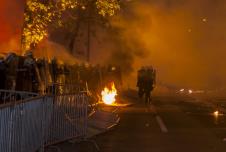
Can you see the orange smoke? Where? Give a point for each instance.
(11, 21)
(184, 40)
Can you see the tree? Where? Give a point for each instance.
(39, 15)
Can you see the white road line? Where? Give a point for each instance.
(161, 124)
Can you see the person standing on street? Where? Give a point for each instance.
(146, 82)
(149, 82)
(141, 82)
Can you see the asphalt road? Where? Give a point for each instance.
(169, 124)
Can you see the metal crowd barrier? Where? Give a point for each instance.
(60, 88)
(30, 125)
(69, 118)
(23, 124)
(8, 96)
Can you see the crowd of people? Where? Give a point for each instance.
(26, 73)
(146, 79)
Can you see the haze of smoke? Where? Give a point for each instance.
(11, 18)
(11, 22)
(184, 40)
(50, 50)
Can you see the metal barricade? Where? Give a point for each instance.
(69, 118)
(30, 125)
(22, 125)
(60, 89)
(9, 96)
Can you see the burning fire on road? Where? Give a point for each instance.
(109, 94)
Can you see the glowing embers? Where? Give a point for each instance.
(218, 119)
(109, 94)
(217, 113)
(182, 90)
(190, 91)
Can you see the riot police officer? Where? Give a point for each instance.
(141, 81)
(149, 81)
(2, 73)
(145, 83)
(11, 62)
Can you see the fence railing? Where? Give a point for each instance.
(30, 125)
(9, 96)
(60, 88)
(69, 118)
(22, 125)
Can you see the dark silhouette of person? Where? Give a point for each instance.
(145, 83)
(141, 82)
(149, 84)
(2, 74)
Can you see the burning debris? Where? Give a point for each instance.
(216, 113)
(109, 94)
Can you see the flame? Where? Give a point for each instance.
(216, 113)
(109, 94)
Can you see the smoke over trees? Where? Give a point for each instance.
(184, 40)
(11, 18)
(40, 15)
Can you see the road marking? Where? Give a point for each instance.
(158, 119)
(161, 124)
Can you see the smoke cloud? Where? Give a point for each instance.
(11, 21)
(184, 40)
(50, 50)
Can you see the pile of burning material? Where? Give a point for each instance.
(109, 94)
(109, 97)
